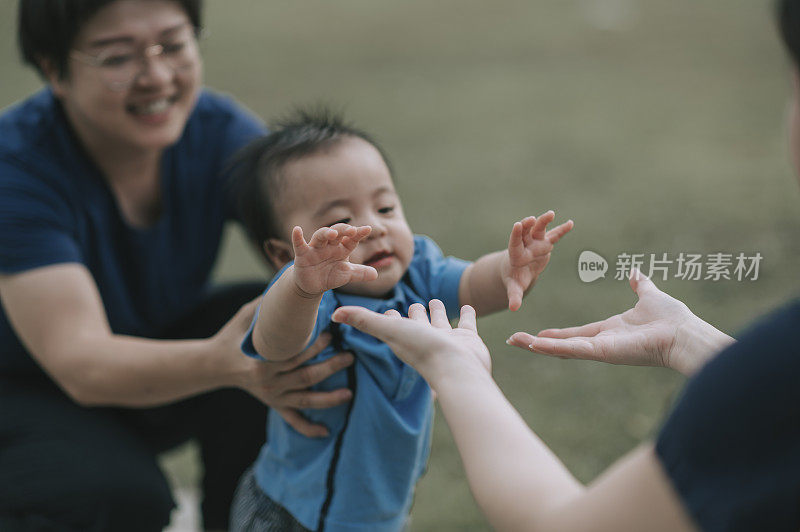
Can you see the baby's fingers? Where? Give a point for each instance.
(322, 237)
(515, 293)
(524, 227)
(538, 230)
(361, 232)
(298, 242)
(343, 229)
(555, 234)
(357, 235)
(359, 272)
(515, 239)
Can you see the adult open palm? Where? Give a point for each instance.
(430, 345)
(657, 331)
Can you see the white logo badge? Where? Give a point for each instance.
(591, 266)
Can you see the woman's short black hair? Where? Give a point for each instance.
(47, 28)
(788, 12)
(256, 169)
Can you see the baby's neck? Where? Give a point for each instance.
(388, 295)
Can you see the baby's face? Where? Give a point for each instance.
(350, 183)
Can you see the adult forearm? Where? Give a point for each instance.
(116, 370)
(58, 314)
(513, 475)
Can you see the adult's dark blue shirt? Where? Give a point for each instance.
(56, 207)
(732, 445)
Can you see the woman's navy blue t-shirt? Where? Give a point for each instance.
(732, 445)
(55, 207)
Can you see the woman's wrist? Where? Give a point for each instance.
(451, 386)
(696, 343)
(447, 373)
(225, 369)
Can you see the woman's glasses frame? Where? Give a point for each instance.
(120, 70)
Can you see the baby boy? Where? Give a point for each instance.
(319, 198)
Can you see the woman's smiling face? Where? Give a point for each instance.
(150, 110)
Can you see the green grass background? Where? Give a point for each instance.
(657, 126)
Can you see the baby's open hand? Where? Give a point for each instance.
(323, 263)
(529, 250)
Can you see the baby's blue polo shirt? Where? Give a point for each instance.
(56, 207)
(361, 476)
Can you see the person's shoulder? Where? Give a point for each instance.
(36, 152)
(784, 319)
(211, 102)
(428, 257)
(424, 246)
(730, 444)
(217, 128)
(220, 109)
(432, 275)
(425, 251)
(26, 127)
(774, 335)
(762, 363)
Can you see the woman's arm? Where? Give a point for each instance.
(521, 485)
(658, 331)
(518, 482)
(57, 313)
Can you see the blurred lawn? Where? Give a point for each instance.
(657, 126)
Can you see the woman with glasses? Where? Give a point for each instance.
(727, 458)
(113, 347)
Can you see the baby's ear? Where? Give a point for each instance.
(278, 252)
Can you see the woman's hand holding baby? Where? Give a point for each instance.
(529, 248)
(323, 263)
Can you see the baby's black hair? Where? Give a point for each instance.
(256, 168)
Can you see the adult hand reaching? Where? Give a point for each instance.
(283, 385)
(432, 347)
(658, 331)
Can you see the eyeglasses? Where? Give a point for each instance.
(121, 66)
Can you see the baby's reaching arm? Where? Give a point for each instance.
(502, 278)
(289, 308)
